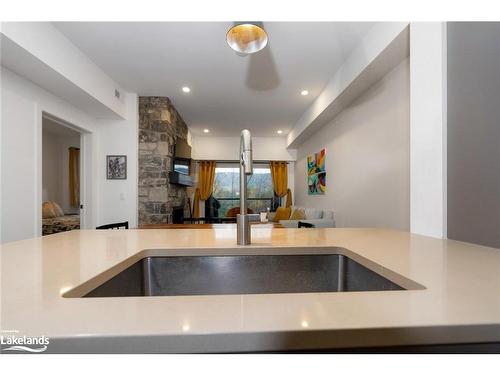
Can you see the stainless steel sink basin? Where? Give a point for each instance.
(242, 274)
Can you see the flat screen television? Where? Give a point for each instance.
(181, 166)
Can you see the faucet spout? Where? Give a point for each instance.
(246, 168)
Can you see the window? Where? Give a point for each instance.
(227, 187)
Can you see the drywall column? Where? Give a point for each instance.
(474, 132)
(428, 129)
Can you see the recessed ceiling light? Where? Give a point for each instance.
(206, 131)
(280, 132)
(186, 89)
(304, 92)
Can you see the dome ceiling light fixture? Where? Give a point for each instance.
(246, 38)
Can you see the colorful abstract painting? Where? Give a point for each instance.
(316, 173)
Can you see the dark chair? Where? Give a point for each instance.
(212, 206)
(305, 225)
(123, 225)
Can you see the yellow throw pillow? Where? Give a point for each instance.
(298, 214)
(48, 210)
(58, 210)
(51, 210)
(282, 213)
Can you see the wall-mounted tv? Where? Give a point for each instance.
(181, 166)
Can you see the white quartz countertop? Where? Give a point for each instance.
(460, 301)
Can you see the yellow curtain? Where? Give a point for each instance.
(288, 198)
(74, 176)
(206, 176)
(279, 175)
(196, 203)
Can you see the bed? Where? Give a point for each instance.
(54, 220)
(60, 224)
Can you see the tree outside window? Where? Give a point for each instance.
(227, 187)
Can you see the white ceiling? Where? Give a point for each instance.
(260, 92)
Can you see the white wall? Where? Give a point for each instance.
(51, 169)
(18, 165)
(228, 148)
(428, 128)
(118, 197)
(55, 169)
(21, 149)
(367, 158)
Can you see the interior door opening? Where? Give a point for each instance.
(61, 176)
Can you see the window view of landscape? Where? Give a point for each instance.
(227, 188)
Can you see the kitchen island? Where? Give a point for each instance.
(452, 294)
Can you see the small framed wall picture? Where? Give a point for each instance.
(116, 167)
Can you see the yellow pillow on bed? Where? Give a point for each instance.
(58, 209)
(51, 210)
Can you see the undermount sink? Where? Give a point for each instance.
(242, 274)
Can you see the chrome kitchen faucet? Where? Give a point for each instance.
(246, 169)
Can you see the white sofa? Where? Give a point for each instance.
(317, 217)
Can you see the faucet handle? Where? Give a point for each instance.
(246, 159)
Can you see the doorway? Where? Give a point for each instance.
(61, 176)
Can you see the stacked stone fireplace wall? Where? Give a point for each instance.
(160, 125)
